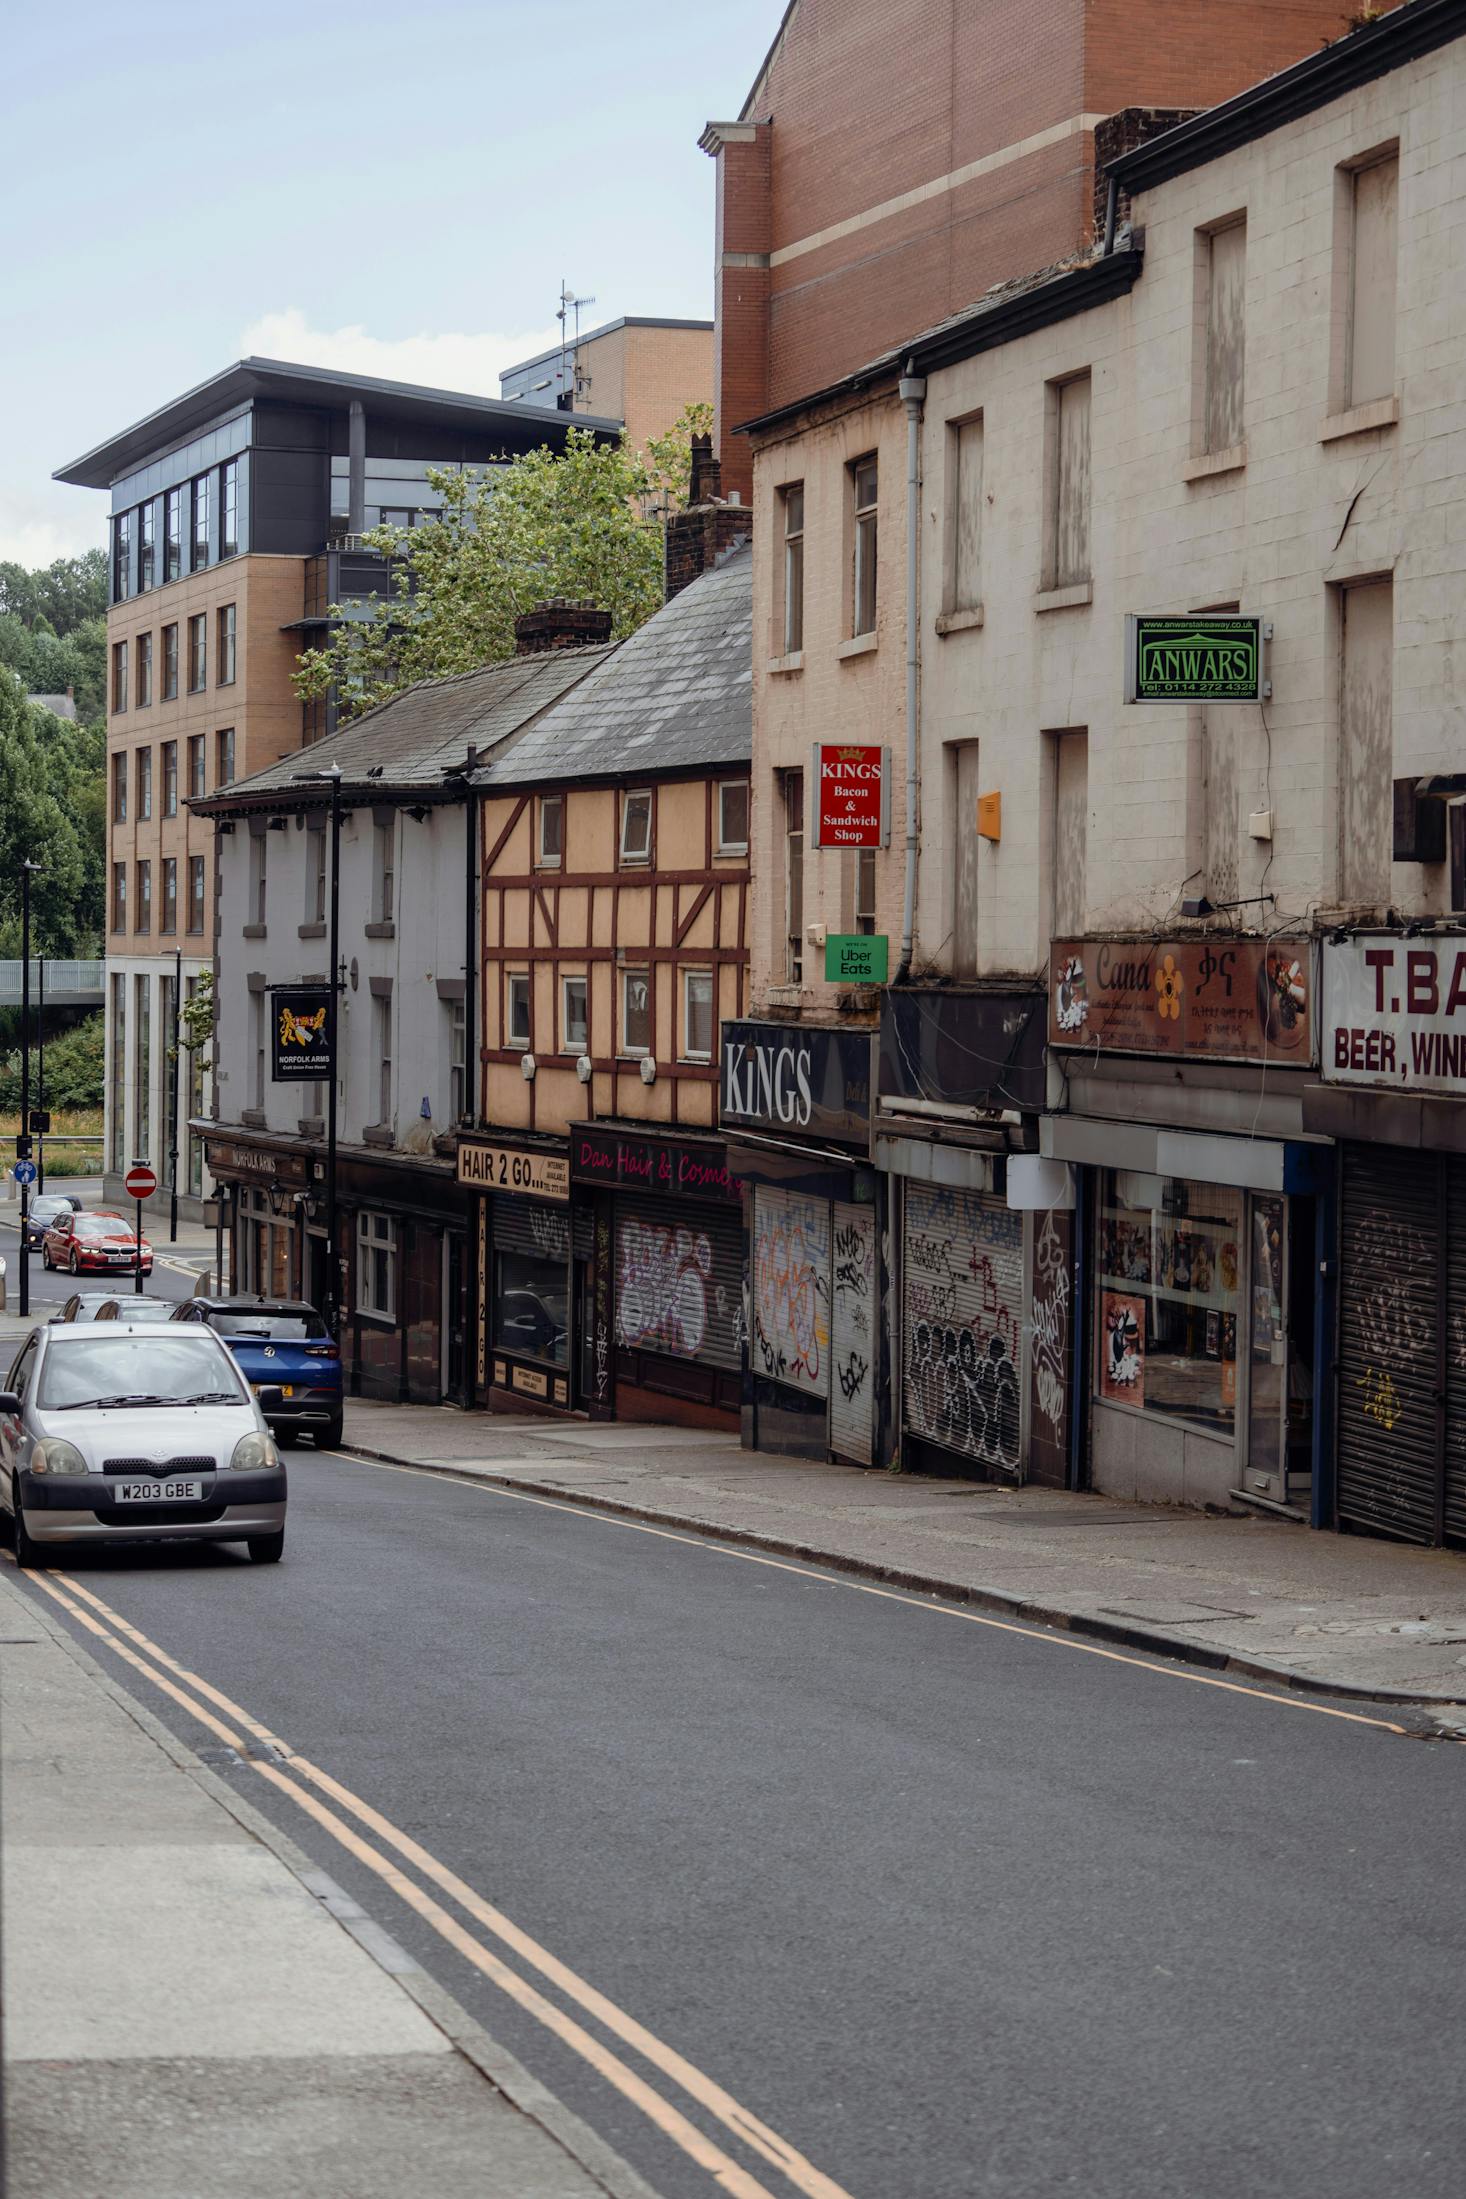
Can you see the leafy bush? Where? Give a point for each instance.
(75, 1068)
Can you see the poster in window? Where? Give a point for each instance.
(302, 1037)
(1122, 1348)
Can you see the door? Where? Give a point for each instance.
(452, 1329)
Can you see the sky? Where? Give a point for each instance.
(393, 189)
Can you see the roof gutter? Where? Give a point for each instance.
(1389, 43)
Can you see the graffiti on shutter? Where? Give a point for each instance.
(791, 1289)
(678, 1281)
(1048, 1438)
(962, 1303)
(852, 1333)
(1389, 1421)
(533, 1226)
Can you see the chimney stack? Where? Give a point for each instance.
(700, 536)
(560, 623)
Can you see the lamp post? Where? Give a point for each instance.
(23, 1141)
(331, 1310)
(177, 1072)
(41, 1075)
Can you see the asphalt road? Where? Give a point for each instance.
(956, 1910)
(47, 1291)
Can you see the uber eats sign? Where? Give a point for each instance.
(1202, 659)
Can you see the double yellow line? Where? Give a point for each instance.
(297, 1777)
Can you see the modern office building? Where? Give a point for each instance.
(642, 372)
(237, 518)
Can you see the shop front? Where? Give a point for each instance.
(533, 1265)
(1394, 1095)
(1204, 1212)
(984, 1282)
(660, 1331)
(265, 1194)
(795, 1101)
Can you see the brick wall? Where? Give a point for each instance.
(866, 102)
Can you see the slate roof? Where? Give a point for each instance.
(676, 695)
(60, 706)
(405, 745)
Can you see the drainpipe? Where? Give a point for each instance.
(912, 391)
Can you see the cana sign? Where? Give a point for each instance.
(1194, 659)
(851, 806)
(1395, 1013)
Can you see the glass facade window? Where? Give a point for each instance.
(201, 523)
(229, 508)
(173, 535)
(144, 671)
(198, 654)
(1169, 1275)
(119, 677)
(144, 897)
(122, 557)
(119, 787)
(224, 669)
(195, 1059)
(170, 663)
(144, 784)
(195, 893)
(170, 893)
(170, 778)
(224, 743)
(117, 1079)
(145, 548)
(142, 1099)
(119, 897)
(195, 766)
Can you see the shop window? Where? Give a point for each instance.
(573, 1024)
(1170, 1271)
(531, 1282)
(636, 828)
(636, 1012)
(697, 1015)
(376, 1265)
(733, 817)
(552, 831)
(516, 1009)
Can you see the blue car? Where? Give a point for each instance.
(280, 1344)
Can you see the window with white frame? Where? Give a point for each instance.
(457, 1059)
(791, 513)
(516, 1009)
(863, 486)
(791, 798)
(636, 827)
(962, 578)
(697, 1015)
(552, 831)
(258, 867)
(573, 1024)
(258, 1022)
(376, 1265)
(315, 875)
(733, 817)
(636, 1012)
(383, 1007)
(385, 885)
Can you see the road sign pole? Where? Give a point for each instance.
(139, 1183)
(137, 1264)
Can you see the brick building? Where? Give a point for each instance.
(895, 158)
(640, 371)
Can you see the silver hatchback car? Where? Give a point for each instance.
(118, 1432)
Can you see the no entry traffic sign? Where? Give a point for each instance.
(140, 1182)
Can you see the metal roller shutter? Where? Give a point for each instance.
(962, 1321)
(852, 1333)
(679, 1280)
(1389, 1342)
(530, 1225)
(1455, 1462)
(791, 1289)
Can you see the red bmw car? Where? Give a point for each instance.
(94, 1244)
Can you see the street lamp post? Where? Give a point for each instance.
(41, 1074)
(177, 1072)
(23, 1141)
(331, 1310)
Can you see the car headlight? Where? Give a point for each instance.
(56, 1456)
(254, 1451)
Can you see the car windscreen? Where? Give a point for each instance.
(45, 1209)
(293, 1328)
(98, 1369)
(101, 1225)
(135, 1309)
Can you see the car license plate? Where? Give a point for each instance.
(159, 1492)
(286, 1389)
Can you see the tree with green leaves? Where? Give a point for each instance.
(45, 765)
(587, 524)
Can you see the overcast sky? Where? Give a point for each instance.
(394, 186)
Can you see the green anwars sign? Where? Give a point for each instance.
(856, 958)
(1194, 659)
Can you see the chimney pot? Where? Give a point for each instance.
(560, 623)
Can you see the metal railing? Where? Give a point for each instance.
(65, 982)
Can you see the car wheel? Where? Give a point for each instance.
(29, 1556)
(266, 1549)
(72, 1265)
(45, 1256)
(329, 1437)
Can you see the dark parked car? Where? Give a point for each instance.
(284, 1345)
(44, 1210)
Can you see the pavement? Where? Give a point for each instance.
(1343, 1615)
(191, 2007)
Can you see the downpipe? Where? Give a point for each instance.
(912, 391)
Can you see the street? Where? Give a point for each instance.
(174, 1269)
(914, 1904)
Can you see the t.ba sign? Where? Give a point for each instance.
(852, 796)
(674, 1166)
(1394, 1013)
(1221, 999)
(1195, 659)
